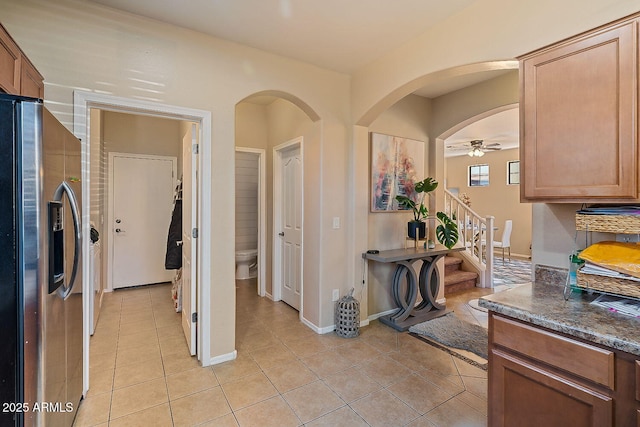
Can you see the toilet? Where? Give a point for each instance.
(245, 260)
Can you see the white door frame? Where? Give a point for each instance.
(277, 220)
(110, 219)
(82, 103)
(262, 221)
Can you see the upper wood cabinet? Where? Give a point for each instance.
(9, 63)
(18, 76)
(579, 118)
(31, 80)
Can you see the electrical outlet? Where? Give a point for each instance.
(336, 222)
(628, 238)
(335, 295)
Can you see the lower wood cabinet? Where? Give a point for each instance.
(539, 377)
(523, 394)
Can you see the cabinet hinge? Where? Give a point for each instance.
(194, 233)
(196, 148)
(194, 317)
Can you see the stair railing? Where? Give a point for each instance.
(476, 236)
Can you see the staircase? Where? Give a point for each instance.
(455, 279)
(478, 253)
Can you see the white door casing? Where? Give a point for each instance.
(189, 247)
(288, 224)
(140, 203)
(83, 102)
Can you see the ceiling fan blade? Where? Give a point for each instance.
(495, 144)
(492, 148)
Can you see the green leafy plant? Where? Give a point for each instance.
(447, 230)
(420, 189)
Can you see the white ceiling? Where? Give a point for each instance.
(340, 35)
(501, 128)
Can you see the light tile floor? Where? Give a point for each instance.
(285, 375)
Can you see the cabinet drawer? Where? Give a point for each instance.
(586, 361)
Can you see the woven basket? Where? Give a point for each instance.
(347, 316)
(624, 224)
(609, 285)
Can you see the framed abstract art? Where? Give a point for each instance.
(396, 165)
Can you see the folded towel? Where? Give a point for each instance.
(616, 256)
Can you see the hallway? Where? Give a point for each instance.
(285, 374)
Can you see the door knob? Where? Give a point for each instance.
(118, 230)
(118, 221)
(281, 233)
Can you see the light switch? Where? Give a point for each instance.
(336, 222)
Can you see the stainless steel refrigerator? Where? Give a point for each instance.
(40, 266)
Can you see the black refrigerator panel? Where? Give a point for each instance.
(10, 380)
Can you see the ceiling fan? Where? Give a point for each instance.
(475, 148)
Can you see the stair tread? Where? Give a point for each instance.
(459, 276)
(450, 260)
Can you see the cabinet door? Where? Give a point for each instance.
(9, 64)
(31, 81)
(526, 395)
(579, 118)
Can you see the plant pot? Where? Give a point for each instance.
(416, 229)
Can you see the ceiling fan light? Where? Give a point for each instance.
(475, 152)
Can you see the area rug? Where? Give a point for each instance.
(450, 331)
(473, 303)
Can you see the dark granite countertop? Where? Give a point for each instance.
(544, 305)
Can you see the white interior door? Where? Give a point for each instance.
(142, 194)
(189, 247)
(291, 227)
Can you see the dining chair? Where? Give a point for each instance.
(505, 243)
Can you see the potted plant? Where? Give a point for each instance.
(447, 230)
(414, 201)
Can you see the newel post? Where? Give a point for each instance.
(488, 273)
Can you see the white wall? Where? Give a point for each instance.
(407, 118)
(137, 134)
(508, 29)
(81, 45)
(457, 46)
(498, 199)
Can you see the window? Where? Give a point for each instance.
(478, 175)
(513, 172)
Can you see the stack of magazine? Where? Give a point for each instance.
(610, 210)
(626, 306)
(589, 268)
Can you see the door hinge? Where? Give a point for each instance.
(196, 148)
(194, 317)
(194, 233)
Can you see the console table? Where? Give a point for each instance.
(427, 282)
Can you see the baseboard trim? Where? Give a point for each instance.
(384, 313)
(224, 358)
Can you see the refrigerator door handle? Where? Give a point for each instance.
(63, 188)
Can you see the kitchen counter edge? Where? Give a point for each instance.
(544, 305)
